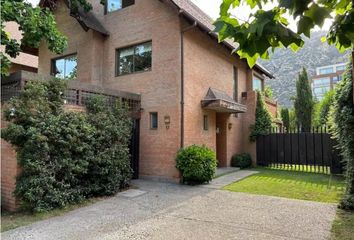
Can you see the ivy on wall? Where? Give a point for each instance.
(342, 128)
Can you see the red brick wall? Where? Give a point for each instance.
(9, 172)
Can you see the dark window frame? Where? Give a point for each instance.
(151, 120)
(117, 59)
(205, 122)
(52, 62)
(123, 6)
(235, 72)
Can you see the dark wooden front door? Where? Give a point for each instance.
(221, 139)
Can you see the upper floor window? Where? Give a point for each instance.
(326, 70)
(321, 82)
(257, 84)
(65, 67)
(114, 5)
(134, 59)
(340, 68)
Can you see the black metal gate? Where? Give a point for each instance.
(134, 148)
(299, 150)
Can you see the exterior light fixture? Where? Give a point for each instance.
(167, 120)
(229, 126)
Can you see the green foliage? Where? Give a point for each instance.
(266, 30)
(66, 156)
(263, 119)
(342, 127)
(285, 117)
(36, 24)
(196, 163)
(321, 109)
(268, 92)
(303, 102)
(242, 160)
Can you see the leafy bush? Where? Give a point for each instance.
(342, 127)
(242, 160)
(263, 119)
(196, 163)
(66, 156)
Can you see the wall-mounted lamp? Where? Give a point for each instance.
(229, 126)
(167, 121)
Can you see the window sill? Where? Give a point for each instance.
(133, 73)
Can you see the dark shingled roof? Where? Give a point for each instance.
(87, 20)
(221, 102)
(190, 10)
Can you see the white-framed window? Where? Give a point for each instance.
(326, 70)
(340, 68)
(321, 81)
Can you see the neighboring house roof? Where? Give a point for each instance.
(22, 59)
(87, 20)
(190, 10)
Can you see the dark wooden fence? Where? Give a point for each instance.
(295, 149)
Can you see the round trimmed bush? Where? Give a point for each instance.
(242, 160)
(196, 163)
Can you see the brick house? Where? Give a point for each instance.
(192, 89)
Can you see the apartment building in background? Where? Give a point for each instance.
(326, 78)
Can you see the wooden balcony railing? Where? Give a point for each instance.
(77, 92)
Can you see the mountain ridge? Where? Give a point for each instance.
(285, 65)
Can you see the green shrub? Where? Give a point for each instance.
(66, 156)
(196, 163)
(342, 128)
(242, 160)
(263, 121)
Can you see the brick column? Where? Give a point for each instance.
(9, 172)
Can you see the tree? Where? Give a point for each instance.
(321, 109)
(303, 102)
(268, 92)
(342, 128)
(285, 117)
(266, 30)
(36, 25)
(263, 119)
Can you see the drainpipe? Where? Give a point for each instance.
(182, 78)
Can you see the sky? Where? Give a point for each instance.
(211, 7)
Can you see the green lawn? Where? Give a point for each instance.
(14, 220)
(343, 226)
(291, 184)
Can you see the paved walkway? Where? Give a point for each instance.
(171, 211)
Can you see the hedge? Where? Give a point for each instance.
(66, 156)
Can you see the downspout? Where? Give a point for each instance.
(182, 77)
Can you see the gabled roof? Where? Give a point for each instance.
(193, 12)
(87, 20)
(219, 101)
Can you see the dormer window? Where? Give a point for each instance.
(115, 5)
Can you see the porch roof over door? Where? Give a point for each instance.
(219, 101)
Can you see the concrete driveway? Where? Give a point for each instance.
(172, 211)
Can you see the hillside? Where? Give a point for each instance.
(285, 65)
